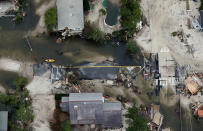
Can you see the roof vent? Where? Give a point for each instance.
(75, 107)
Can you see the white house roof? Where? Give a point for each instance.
(70, 14)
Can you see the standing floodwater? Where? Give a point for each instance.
(72, 51)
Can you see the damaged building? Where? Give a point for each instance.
(198, 23)
(91, 109)
(194, 83)
(156, 117)
(6, 9)
(167, 67)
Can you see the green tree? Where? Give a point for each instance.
(130, 15)
(134, 120)
(20, 82)
(51, 19)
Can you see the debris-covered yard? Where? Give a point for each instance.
(165, 18)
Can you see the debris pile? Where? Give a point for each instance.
(197, 109)
(156, 118)
(194, 83)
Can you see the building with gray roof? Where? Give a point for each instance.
(70, 14)
(90, 108)
(3, 120)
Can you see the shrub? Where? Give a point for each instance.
(174, 33)
(97, 35)
(201, 5)
(94, 34)
(66, 126)
(103, 11)
(86, 5)
(51, 19)
(132, 47)
(18, 18)
(22, 5)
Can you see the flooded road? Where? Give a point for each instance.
(71, 51)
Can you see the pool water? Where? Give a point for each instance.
(112, 12)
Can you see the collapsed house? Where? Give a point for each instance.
(70, 16)
(90, 108)
(200, 111)
(167, 67)
(6, 7)
(3, 120)
(156, 117)
(197, 109)
(193, 84)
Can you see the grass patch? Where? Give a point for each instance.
(51, 19)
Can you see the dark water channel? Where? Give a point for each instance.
(7, 78)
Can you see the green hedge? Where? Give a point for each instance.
(51, 19)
